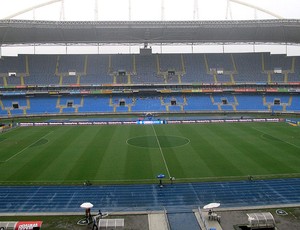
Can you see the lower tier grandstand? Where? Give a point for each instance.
(170, 103)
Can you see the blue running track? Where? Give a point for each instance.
(183, 221)
(149, 197)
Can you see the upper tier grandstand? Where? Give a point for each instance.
(130, 69)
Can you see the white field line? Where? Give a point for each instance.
(155, 147)
(265, 176)
(162, 154)
(244, 177)
(16, 154)
(277, 138)
(76, 181)
(12, 129)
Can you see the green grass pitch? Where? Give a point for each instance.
(116, 154)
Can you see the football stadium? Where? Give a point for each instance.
(163, 123)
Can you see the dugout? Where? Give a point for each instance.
(18, 225)
(261, 220)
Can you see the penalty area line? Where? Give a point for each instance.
(277, 138)
(22, 150)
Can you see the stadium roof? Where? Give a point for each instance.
(44, 32)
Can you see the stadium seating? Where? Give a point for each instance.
(196, 70)
(148, 104)
(249, 68)
(96, 70)
(59, 70)
(200, 103)
(43, 105)
(14, 106)
(121, 62)
(13, 64)
(277, 61)
(294, 106)
(66, 63)
(294, 76)
(248, 102)
(42, 70)
(96, 104)
(156, 68)
(146, 70)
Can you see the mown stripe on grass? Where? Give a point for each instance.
(16, 143)
(39, 164)
(24, 149)
(173, 155)
(266, 153)
(137, 159)
(246, 155)
(215, 151)
(85, 154)
(112, 161)
(285, 156)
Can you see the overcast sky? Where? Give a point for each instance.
(150, 9)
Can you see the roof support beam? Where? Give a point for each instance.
(257, 8)
(32, 8)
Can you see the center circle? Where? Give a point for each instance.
(158, 141)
